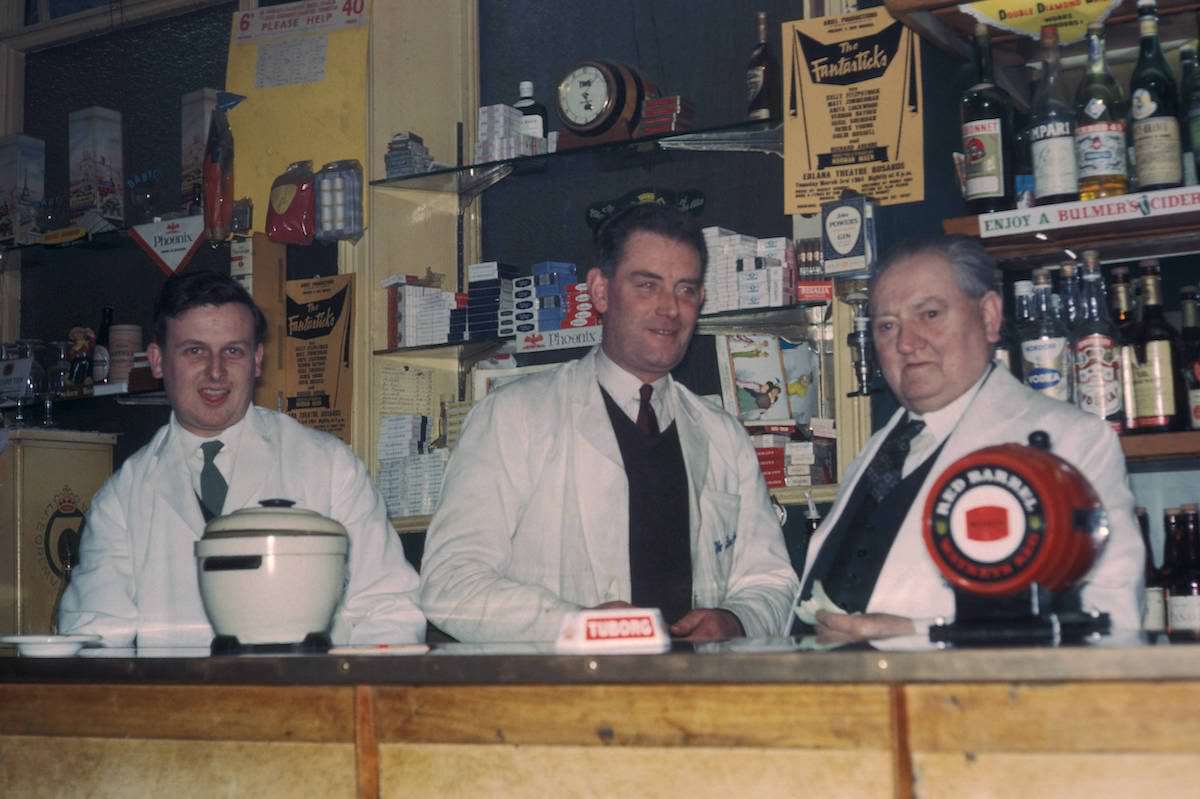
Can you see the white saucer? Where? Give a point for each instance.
(49, 646)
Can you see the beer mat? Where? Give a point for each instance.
(381, 649)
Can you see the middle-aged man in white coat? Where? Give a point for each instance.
(579, 487)
(934, 318)
(136, 579)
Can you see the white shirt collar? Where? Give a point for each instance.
(189, 444)
(940, 424)
(625, 390)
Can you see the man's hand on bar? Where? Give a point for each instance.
(708, 624)
(834, 628)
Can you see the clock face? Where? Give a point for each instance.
(583, 96)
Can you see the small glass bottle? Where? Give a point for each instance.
(1153, 107)
(533, 123)
(1156, 385)
(1154, 613)
(1100, 112)
(986, 117)
(763, 86)
(1046, 362)
(1052, 131)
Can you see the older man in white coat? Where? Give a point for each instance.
(934, 318)
(604, 482)
(136, 580)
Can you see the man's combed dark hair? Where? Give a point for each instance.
(664, 220)
(188, 290)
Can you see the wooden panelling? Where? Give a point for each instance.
(538, 772)
(1034, 776)
(212, 713)
(1068, 717)
(796, 716)
(98, 768)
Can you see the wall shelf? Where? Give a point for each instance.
(1162, 446)
(1154, 224)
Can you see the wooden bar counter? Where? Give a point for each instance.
(1109, 720)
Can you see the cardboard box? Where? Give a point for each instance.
(22, 188)
(319, 372)
(96, 163)
(195, 114)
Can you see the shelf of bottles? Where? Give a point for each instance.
(1073, 339)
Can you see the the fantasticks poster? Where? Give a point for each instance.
(853, 116)
(319, 330)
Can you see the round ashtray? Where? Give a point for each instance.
(49, 646)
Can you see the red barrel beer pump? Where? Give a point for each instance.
(1012, 528)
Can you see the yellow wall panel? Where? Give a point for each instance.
(319, 122)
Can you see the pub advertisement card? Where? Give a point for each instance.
(853, 116)
(319, 379)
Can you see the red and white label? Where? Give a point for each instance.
(619, 629)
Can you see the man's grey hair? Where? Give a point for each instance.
(974, 269)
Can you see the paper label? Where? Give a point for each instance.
(985, 158)
(1153, 385)
(1156, 145)
(1045, 363)
(1097, 375)
(1054, 167)
(1183, 612)
(1100, 149)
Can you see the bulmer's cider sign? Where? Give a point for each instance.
(853, 116)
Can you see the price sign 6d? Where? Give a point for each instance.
(305, 16)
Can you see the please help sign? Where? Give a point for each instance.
(306, 16)
(613, 630)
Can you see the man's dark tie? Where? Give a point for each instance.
(883, 473)
(647, 422)
(212, 484)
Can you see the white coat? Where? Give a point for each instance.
(137, 572)
(534, 518)
(1006, 411)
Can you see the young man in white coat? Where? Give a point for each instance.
(605, 483)
(934, 318)
(136, 578)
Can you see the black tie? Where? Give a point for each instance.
(212, 484)
(884, 472)
(647, 422)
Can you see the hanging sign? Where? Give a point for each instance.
(854, 118)
(318, 370)
(170, 243)
(1026, 17)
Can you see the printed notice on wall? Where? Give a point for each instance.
(853, 116)
(291, 61)
(319, 379)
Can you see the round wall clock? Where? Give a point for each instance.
(595, 96)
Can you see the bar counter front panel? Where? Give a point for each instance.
(758, 719)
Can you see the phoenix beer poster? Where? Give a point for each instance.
(853, 116)
(318, 372)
